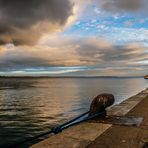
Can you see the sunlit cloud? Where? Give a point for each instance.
(73, 37)
(92, 53)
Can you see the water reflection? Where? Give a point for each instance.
(31, 106)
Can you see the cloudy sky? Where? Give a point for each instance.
(73, 37)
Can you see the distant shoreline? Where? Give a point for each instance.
(70, 77)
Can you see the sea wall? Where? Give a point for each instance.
(89, 134)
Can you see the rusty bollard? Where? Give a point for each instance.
(100, 103)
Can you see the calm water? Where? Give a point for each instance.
(31, 106)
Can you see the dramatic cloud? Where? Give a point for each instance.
(23, 22)
(46, 43)
(24, 57)
(122, 5)
(88, 52)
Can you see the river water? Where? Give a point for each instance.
(29, 106)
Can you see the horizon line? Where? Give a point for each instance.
(71, 76)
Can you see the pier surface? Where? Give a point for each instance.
(94, 134)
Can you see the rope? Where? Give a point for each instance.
(60, 128)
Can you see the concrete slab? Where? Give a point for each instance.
(145, 91)
(84, 134)
(75, 137)
(126, 137)
(125, 106)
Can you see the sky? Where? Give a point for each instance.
(73, 37)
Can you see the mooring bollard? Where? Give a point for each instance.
(100, 103)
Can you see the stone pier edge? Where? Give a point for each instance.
(80, 136)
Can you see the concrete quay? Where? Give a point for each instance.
(106, 134)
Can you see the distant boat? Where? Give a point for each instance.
(146, 77)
